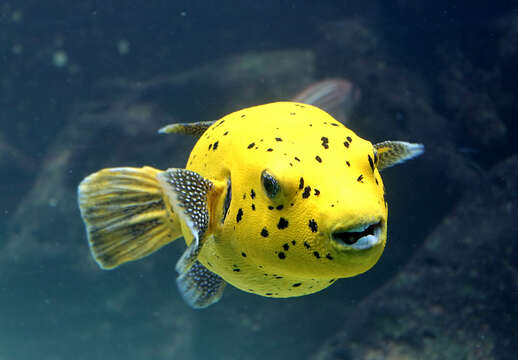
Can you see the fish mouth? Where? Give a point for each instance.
(360, 237)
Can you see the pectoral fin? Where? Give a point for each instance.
(200, 287)
(390, 153)
(191, 196)
(194, 129)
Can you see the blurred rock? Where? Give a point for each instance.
(227, 85)
(458, 297)
(508, 42)
(467, 98)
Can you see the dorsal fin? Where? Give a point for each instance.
(390, 153)
(194, 129)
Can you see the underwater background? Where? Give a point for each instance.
(87, 84)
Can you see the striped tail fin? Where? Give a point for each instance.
(127, 215)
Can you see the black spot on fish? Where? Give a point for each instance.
(210, 146)
(317, 255)
(296, 158)
(301, 183)
(346, 144)
(296, 284)
(283, 223)
(293, 242)
(281, 255)
(333, 124)
(360, 179)
(269, 149)
(307, 192)
(215, 145)
(317, 192)
(239, 215)
(377, 183)
(286, 247)
(278, 139)
(243, 254)
(349, 139)
(318, 158)
(292, 113)
(332, 281)
(251, 145)
(264, 232)
(225, 133)
(243, 115)
(306, 245)
(348, 163)
(313, 225)
(252, 194)
(270, 207)
(279, 207)
(329, 257)
(253, 207)
(371, 163)
(279, 277)
(325, 142)
(236, 270)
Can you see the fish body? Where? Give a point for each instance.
(279, 200)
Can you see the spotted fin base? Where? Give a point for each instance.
(188, 193)
(126, 215)
(200, 287)
(391, 153)
(194, 129)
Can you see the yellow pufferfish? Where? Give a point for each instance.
(279, 200)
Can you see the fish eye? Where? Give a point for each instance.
(270, 184)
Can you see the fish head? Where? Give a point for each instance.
(307, 198)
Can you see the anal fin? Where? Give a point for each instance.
(126, 215)
(199, 286)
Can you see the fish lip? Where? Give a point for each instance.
(360, 237)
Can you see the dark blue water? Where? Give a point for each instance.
(86, 84)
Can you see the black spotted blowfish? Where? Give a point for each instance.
(279, 200)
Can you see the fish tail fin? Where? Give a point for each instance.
(127, 215)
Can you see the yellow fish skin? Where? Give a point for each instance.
(279, 200)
